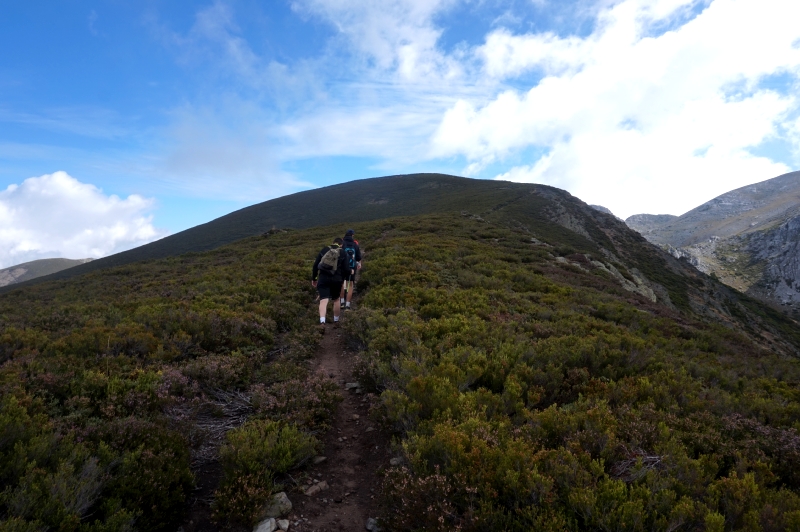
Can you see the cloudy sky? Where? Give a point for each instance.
(125, 120)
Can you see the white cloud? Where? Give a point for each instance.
(396, 36)
(634, 119)
(659, 108)
(56, 215)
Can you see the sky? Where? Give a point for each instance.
(122, 121)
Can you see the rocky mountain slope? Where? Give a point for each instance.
(36, 268)
(746, 237)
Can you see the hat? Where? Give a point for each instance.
(350, 232)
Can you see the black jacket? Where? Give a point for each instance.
(341, 266)
(355, 245)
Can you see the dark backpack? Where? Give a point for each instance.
(350, 249)
(330, 261)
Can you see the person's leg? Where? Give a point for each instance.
(323, 309)
(352, 284)
(337, 307)
(341, 293)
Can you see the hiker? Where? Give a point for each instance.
(353, 253)
(327, 276)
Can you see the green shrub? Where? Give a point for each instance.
(264, 445)
(251, 457)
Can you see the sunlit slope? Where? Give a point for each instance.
(741, 211)
(748, 237)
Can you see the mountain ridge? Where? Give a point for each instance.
(747, 237)
(366, 200)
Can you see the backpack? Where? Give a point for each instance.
(350, 249)
(329, 261)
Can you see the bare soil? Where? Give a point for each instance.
(355, 452)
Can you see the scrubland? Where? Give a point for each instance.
(523, 393)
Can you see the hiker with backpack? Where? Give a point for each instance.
(327, 276)
(353, 253)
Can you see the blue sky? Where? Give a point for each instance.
(122, 121)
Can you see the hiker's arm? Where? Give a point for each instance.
(358, 257)
(315, 270)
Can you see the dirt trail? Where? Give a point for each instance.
(354, 449)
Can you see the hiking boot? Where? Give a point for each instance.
(321, 328)
(336, 324)
(348, 307)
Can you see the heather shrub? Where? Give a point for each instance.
(537, 395)
(241, 498)
(251, 457)
(135, 367)
(309, 402)
(219, 371)
(264, 445)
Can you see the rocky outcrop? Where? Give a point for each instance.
(748, 238)
(647, 223)
(779, 251)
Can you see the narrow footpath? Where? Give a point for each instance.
(354, 449)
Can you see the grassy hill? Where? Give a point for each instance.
(545, 213)
(371, 199)
(34, 269)
(541, 366)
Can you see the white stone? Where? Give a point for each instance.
(267, 525)
(279, 506)
(283, 524)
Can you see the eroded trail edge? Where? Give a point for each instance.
(354, 449)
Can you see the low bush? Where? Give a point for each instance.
(529, 396)
(112, 385)
(251, 457)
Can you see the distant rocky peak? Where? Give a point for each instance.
(645, 223)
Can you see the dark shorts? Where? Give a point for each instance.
(351, 277)
(329, 289)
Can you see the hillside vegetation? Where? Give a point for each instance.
(118, 384)
(540, 365)
(530, 394)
